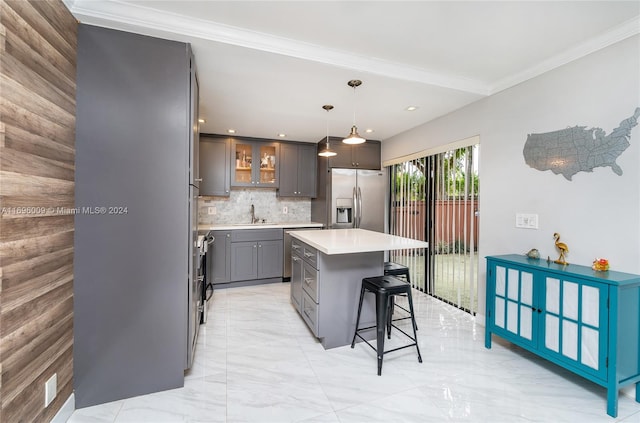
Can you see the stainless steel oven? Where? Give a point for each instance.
(207, 286)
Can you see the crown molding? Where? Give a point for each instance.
(616, 34)
(126, 16)
(115, 12)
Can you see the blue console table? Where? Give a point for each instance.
(585, 321)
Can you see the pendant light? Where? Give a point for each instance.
(354, 137)
(327, 152)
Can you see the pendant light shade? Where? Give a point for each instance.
(354, 137)
(326, 151)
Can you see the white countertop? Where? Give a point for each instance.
(281, 225)
(347, 241)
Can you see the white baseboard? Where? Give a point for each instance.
(66, 410)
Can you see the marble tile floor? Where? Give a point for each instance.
(256, 361)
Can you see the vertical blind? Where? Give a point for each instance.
(435, 199)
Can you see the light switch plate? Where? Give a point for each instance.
(285, 210)
(526, 221)
(211, 210)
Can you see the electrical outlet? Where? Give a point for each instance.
(285, 210)
(211, 210)
(50, 389)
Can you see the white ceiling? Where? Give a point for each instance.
(267, 67)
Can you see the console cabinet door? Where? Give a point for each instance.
(575, 325)
(514, 309)
(244, 261)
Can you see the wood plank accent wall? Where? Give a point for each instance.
(37, 173)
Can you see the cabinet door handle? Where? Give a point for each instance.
(295, 258)
(295, 247)
(307, 254)
(198, 179)
(308, 281)
(228, 235)
(255, 245)
(357, 164)
(260, 245)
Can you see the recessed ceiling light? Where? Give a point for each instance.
(282, 135)
(368, 131)
(201, 120)
(411, 108)
(231, 131)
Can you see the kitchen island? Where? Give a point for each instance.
(328, 268)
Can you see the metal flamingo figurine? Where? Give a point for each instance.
(562, 247)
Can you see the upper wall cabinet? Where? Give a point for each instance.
(254, 164)
(297, 170)
(214, 165)
(357, 156)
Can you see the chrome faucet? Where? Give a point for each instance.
(253, 214)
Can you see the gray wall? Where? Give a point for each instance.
(596, 213)
(130, 289)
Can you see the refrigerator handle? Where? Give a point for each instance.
(359, 207)
(355, 208)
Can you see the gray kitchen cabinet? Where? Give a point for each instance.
(297, 269)
(358, 156)
(297, 170)
(325, 289)
(244, 261)
(256, 254)
(215, 169)
(131, 270)
(219, 258)
(270, 259)
(254, 163)
(304, 285)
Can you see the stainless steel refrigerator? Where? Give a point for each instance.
(350, 198)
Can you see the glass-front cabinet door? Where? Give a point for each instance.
(514, 304)
(574, 330)
(243, 154)
(255, 164)
(268, 154)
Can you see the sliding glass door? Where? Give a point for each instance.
(435, 198)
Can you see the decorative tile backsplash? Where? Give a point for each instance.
(237, 207)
